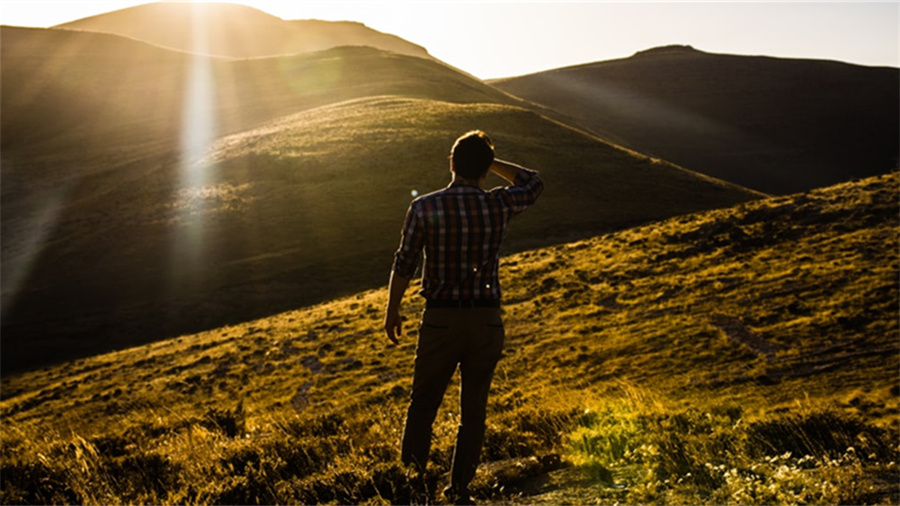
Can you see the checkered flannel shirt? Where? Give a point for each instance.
(460, 229)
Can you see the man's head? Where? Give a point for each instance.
(472, 155)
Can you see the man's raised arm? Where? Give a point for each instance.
(526, 184)
(506, 170)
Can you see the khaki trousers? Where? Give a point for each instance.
(468, 338)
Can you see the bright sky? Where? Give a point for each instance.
(506, 38)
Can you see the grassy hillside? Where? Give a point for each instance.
(237, 31)
(300, 210)
(776, 125)
(746, 355)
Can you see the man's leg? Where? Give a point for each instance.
(485, 346)
(436, 360)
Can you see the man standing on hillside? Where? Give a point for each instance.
(460, 228)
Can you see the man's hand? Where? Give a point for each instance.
(393, 326)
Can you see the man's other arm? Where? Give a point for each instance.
(393, 325)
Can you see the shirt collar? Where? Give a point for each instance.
(464, 184)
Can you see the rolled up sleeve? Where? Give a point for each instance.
(406, 259)
(524, 192)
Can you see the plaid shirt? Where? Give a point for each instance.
(460, 228)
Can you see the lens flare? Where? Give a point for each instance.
(198, 134)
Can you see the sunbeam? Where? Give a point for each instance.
(199, 128)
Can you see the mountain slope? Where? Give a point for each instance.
(236, 31)
(775, 125)
(296, 211)
(735, 353)
(117, 232)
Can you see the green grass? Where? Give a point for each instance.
(678, 362)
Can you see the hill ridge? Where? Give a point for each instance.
(235, 30)
(777, 125)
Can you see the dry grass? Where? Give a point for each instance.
(741, 356)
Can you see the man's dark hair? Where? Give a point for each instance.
(472, 155)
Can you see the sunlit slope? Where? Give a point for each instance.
(773, 124)
(70, 92)
(237, 31)
(778, 308)
(301, 210)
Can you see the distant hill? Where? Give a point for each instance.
(132, 211)
(76, 89)
(236, 31)
(751, 352)
(772, 124)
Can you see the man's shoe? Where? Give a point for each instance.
(458, 497)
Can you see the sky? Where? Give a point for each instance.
(491, 39)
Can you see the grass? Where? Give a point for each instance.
(739, 356)
(719, 455)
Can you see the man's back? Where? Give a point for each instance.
(460, 229)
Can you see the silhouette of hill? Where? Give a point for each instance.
(137, 207)
(746, 353)
(237, 31)
(773, 124)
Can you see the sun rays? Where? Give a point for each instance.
(199, 131)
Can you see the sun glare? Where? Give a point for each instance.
(198, 134)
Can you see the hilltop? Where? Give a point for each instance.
(744, 354)
(127, 220)
(777, 125)
(236, 31)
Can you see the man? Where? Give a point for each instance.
(460, 228)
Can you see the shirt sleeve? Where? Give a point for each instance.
(524, 192)
(412, 239)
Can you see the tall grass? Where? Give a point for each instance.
(638, 453)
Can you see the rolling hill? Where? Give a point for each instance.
(236, 31)
(746, 355)
(772, 124)
(69, 91)
(149, 192)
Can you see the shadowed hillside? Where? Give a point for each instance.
(237, 31)
(742, 355)
(776, 125)
(99, 132)
(296, 211)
